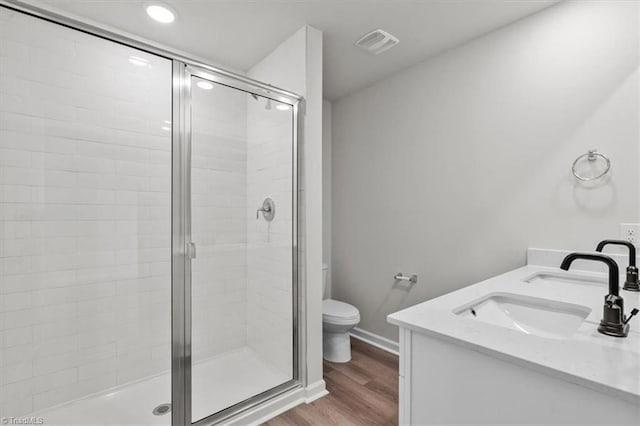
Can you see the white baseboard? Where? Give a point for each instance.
(282, 403)
(315, 391)
(270, 409)
(375, 340)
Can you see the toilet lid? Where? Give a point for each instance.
(333, 309)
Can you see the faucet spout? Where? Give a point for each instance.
(614, 272)
(613, 321)
(632, 283)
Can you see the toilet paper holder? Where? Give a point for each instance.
(413, 279)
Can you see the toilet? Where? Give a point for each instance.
(338, 318)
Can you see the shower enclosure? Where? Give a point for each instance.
(148, 231)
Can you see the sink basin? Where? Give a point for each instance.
(562, 277)
(529, 315)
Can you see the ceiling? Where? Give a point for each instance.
(238, 33)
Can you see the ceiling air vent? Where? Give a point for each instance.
(377, 41)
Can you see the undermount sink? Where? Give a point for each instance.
(562, 277)
(529, 315)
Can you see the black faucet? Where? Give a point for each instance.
(613, 321)
(631, 283)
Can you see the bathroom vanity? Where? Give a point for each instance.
(521, 347)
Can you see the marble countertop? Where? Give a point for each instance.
(588, 358)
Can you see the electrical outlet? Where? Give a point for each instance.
(630, 232)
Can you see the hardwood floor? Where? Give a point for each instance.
(363, 391)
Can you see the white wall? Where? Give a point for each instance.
(296, 65)
(85, 215)
(452, 168)
(312, 195)
(326, 191)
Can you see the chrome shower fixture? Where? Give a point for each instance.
(267, 106)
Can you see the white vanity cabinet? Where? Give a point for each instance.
(447, 383)
(535, 358)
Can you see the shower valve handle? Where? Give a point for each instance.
(268, 210)
(262, 209)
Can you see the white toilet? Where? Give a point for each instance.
(338, 318)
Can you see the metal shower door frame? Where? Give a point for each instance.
(182, 241)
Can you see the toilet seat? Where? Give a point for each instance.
(336, 312)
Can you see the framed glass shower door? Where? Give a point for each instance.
(238, 172)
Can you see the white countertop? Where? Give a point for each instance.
(588, 358)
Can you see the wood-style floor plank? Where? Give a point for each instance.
(363, 391)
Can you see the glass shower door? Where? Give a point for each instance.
(242, 226)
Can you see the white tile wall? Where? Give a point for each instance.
(242, 276)
(84, 214)
(242, 291)
(269, 249)
(219, 220)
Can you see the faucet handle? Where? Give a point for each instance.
(632, 314)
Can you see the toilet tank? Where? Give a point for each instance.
(325, 269)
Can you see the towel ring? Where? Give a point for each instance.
(592, 155)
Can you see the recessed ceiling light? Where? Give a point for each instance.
(161, 13)
(166, 128)
(282, 107)
(205, 85)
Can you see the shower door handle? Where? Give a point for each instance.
(191, 250)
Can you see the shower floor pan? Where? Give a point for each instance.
(217, 384)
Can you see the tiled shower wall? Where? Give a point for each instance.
(269, 248)
(242, 276)
(85, 167)
(219, 220)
